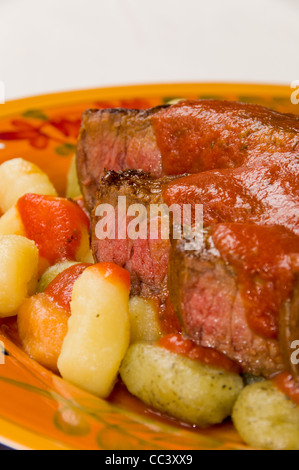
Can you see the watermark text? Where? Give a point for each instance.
(2, 353)
(295, 354)
(153, 222)
(295, 94)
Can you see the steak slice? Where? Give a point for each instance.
(115, 139)
(145, 258)
(189, 137)
(229, 295)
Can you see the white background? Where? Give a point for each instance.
(53, 45)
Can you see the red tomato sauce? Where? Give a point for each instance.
(177, 344)
(192, 142)
(287, 385)
(261, 257)
(198, 136)
(113, 273)
(166, 316)
(61, 288)
(54, 224)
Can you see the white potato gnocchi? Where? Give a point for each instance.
(265, 418)
(19, 177)
(144, 321)
(84, 253)
(11, 223)
(178, 386)
(98, 333)
(18, 273)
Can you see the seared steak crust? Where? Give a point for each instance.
(115, 139)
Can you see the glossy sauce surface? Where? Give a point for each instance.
(196, 136)
(264, 260)
(264, 191)
(177, 344)
(54, 224)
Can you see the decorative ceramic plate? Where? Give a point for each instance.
(39, 410)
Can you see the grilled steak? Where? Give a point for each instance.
(243, 167)
(230, 294)
(189, 137)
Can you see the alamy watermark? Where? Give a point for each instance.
(295, 94)
(153, 222)
(2, 92)
(295, 354)
(2, 353)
